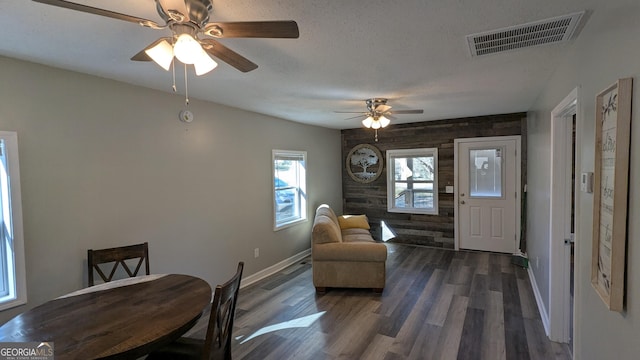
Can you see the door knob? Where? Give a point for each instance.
(462, 202)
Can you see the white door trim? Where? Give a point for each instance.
(560, 199)
(456, 203)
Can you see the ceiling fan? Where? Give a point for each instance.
(193, 36)
(378, 113)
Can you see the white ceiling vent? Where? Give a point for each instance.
(549, 31)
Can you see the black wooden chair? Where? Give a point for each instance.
(118, 256)
(217, 342)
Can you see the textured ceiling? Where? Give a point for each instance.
(413, 52)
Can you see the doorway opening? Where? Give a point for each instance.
(573, 229)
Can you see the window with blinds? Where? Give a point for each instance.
(289, 188)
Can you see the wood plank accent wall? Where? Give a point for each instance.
(418, 229)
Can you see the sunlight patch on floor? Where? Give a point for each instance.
(387, 233)
(295, 323)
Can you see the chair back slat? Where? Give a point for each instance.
(217, 343)
(117, 257)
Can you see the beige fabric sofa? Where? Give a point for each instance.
(345, 258)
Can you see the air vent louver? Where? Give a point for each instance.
(549, 31)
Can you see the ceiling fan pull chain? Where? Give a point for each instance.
(173, 69)
(186, 86)
(376, 135)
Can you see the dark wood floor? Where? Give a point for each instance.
(438, 304)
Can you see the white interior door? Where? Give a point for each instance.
(488, 193)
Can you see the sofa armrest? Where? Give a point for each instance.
(352, 251)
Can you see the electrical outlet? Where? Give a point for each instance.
(256, 252)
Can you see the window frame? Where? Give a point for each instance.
(17, 292)
(300, 188)
(391, 182)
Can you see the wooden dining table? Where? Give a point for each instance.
(123, 319)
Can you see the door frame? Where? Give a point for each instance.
(456, 203)
(560, 206)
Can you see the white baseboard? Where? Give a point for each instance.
(274, 268)
(541, 309)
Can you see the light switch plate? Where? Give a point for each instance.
(449, 189)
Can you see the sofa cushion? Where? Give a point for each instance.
(352, 251)
(353, 221)
(325, 230)
(355, 234)
(326, 210)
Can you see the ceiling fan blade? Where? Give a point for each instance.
(350, 112)
(227, 55)
(359, 116)
(253, 29)
(407, 112)
(141, 56)
(101, 12)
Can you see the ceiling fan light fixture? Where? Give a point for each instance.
(204, 64)
(188, 20)
(187, 49)
(162, 54)
(376, 124)
(384, 121)
(367, 122)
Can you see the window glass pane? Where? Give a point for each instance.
(401, 169)
(423, 199)
(285, 204)
(423, 168)
(402, 197)
(485, 173)
(414, 168)
(400, 188)
(423, 186)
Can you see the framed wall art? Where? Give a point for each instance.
(364, 163)
(611, 177)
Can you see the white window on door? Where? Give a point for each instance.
(13, 291)
(486, 173)
(289, 188)
(412, 181)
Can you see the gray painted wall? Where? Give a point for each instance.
(105, 164)
(596, 60)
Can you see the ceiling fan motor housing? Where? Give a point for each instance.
(373, 103)
(195, 11)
